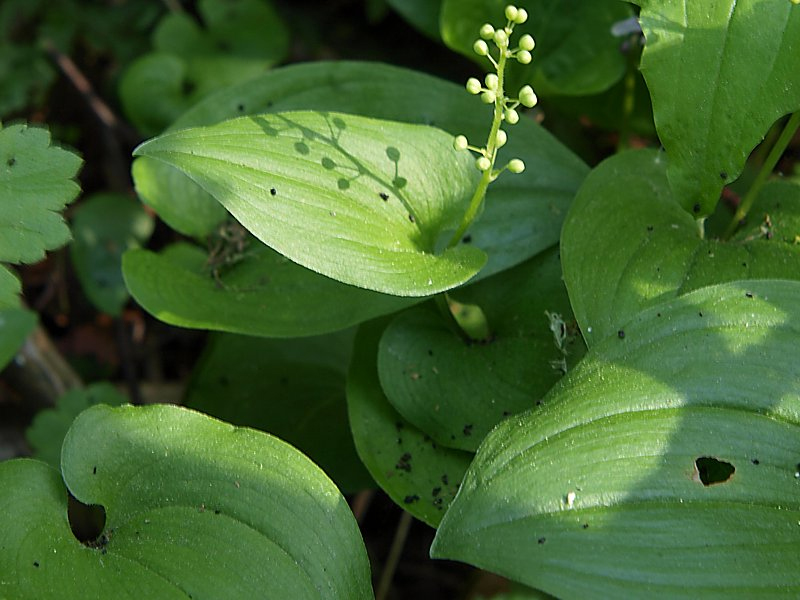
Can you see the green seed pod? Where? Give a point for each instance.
(515, 165)
(480, 48)
(473, 86)
(492, 82)
(527, 97)
(526, 42)
(460, 143)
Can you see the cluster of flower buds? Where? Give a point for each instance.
(491, 90)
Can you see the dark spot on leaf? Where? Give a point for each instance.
(430, 352)
(384, 196)
(444, 479)
(187, 87)
(723, 175)
(240, 107)
(538, 403)
(11, 161)
(709, 470)
(700, 313)
(399, 425)
(36, 564)
(411, 499)
(649, 228)
(696, 207)
(436, 491)
(404, 464)
(744, 264)
(749, 294)
(658, 314)
(467, 239)
(273, 191)
(343, 184)
(94, 470)
(755, 461)
(216, 511)
(621, 334)
(506, 413)
(269, 103)
(467, 429)
(541, 540)
(585, 526)
(411, 218)
(302, 148)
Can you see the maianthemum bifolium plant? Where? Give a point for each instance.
(584, 379)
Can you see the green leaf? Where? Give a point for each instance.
(10, 288)
(365, 202)
(576, 54)
(422, 14)
(293, 389)
(242, 38)
(719, 75)
(512, 228)
(194, 507)
(264, 294)
(606, 491)
(455, 389)
(627, 243)
(46, 432)
(105, 226)
(418, 474)
(15, 325)
(36, 182)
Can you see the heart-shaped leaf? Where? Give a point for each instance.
(293, 389)
(627, 244)
(456, 389)
(719, 76)
(522, 214)
(263, 294)
(664, 465)
(194, 508)
(416, 472)
(105, 226)
(576, 53)
(15, 325)
(362, 201)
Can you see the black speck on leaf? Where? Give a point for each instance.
(411, 499)
(445, 479)
(36, 564)
(621, 334)
(411, 218)
(541, 540)
(404, 464)
(749, 294)
(467, 239)
(650, 228)
(11, 161)
(240, 108)
(273, 191)
(585, 526)
(696, 207)
(467, 429)
(436, 491)
(384, 196)
(755, 461)
(94, 470)
(723, 175)
(700, 313)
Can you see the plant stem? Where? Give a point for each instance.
(395, 551)
(766, 169)
(491, 149)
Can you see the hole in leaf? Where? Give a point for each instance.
(86, 522)
(472, 321)
(709, 470)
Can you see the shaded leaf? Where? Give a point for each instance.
(194, 507)
(418, 474)
(15, 325)
(522, 214)
(422, 14)
(293, 389)
(719, 75)
(48, 428)
(455, 389)
(105, 226)
(627, 243)
(600, 492)
(290, 175)
(264, 294)
(36, 182)
(576, 54)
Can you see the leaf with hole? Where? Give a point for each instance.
(719, 76)
(522, 214)
(627, 243)
(293, 389)
(417, 473)
(263, 294)
(456, 389)
(311, 185)
(105, 226)
(194, 508)
(665, 462)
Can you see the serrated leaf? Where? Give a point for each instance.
(627, 243)
(15, 325)
(48, 428)
(293, 389)
(719, 76)
(264, 294)
(194, 507)
(576, 53)
(522, 215)
(36, 182)
(455, 389)
(104, 227)
(604, 490)
(362, 201)
(418, 474)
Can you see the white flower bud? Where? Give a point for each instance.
(526, 42)
(524, 57)
(511, 116)
(501, 138)
(488, 97)
(501, 38)
(487, 31)
(511, 12)
(480, 48)
(492, 81)
(483, 163)
(473, 86)
(527, 97)
(515, 165)
(460, 143)
(522, 16)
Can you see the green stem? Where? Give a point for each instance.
(394, 556)
(491, 149)
(766, 169)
